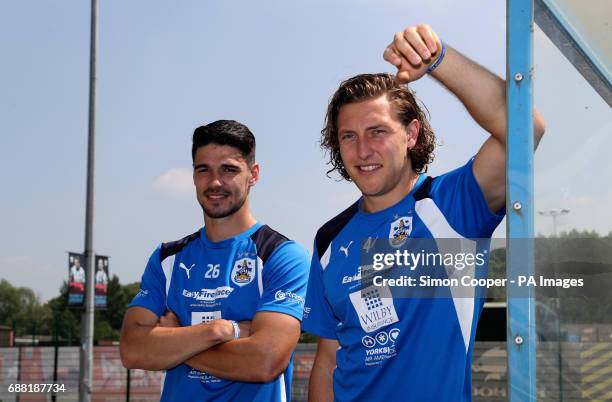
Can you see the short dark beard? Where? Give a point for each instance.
(224, 214)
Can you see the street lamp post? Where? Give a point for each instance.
(554, 213)
(87, 320)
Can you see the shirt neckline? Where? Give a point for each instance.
(230, 241)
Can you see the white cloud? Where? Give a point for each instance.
(176, 181)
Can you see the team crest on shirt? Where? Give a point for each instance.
(243, 271)
(400, 230)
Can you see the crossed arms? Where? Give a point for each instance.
(260, 355)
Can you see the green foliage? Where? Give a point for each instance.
(308, 338)
(109, 320)
(497, 270)
(21, 309)
(579, 254)
(64, 321)
(9, 303)
(104, 331)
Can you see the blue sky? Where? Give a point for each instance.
(165, 68)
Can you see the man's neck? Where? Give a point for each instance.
(224, 228)
(373, 204)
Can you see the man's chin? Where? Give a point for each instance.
(218, 213)
(222, 212)
(369, 190)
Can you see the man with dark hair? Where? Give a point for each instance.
(77, 274)
(374, 347)
(220, 309)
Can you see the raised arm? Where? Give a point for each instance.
(482, 93)
(146, 345)
(260, 357)
(321, 384)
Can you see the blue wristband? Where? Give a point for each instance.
(439, 60)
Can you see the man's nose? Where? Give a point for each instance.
(364, 151)
(215, 180)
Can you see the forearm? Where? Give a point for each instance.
(153, 347)
(250, 359)
(321, 384)
(482, 93)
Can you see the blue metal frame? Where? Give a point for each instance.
(581, 44)
(551, 19)
(521, 343)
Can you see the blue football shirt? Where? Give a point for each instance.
(200, 280)
(391, 349)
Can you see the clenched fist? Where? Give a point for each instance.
(412, 51)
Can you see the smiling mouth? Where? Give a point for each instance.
(368, 168)
(216, 196)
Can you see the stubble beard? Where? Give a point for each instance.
(388, 185)
(232, 209)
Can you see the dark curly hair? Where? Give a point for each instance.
(368, 86)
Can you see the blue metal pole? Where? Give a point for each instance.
(521, 340)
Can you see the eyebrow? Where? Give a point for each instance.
(340, 132)
(223, 165)
(374, 127)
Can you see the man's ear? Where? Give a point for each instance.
(254, 174)
(412, 132)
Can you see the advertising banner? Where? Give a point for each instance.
(76, 279)
(101, 277)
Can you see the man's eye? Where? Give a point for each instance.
(201, 170)
(347, 136)
(230, 170)
(379, 132)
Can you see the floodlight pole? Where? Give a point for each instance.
(554, 213)
(87, 321)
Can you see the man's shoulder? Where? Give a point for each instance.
(268, 240)
(451, 177)
(457, 197)
(444, 184)
(331, 228)
(174, 247)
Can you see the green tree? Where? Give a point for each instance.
(497, 270)
(9, 303)
(20, 308)
(63, 319)
(582, 255)
(111, 319)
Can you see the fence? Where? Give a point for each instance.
(581, 372)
